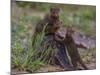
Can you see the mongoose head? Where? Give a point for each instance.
(54, 12)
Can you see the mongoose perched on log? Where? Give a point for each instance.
(50, 21)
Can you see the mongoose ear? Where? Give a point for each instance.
(51, 9)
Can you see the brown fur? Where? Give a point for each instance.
(72, 50)
(51, 20)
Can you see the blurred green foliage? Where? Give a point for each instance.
(77, 15)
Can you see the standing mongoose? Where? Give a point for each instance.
(72, 50)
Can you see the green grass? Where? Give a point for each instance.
(22, 52)
(26, 57)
